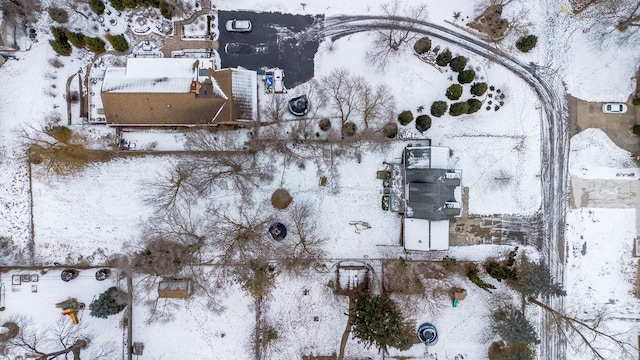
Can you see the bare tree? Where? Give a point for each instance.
(168, 189)
(342, 90)
(19, 12)
(55, 148)
(61, 340)
(377, 106)
(357, 103)
(591, 333)
(222, 163)
(174, 239)
(631, 17)
(619, 19)
(397, 29)
(308, 243)
(274, 109)
(74, 5)
(177, 242)
(240, 233)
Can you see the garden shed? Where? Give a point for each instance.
(175, 288)
(353, 276)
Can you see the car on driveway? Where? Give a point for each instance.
(245, 49)
(614, 108)
(238, 25)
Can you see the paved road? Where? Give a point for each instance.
(554, 140)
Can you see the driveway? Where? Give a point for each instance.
(584, 115)
(277, 40)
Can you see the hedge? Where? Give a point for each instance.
(474, 105)
(466, 76)
(458, 63)
(423, 123)
(478, 89)
(444, 58)
(118, 42)
(405, 117)
(458, 108)
(454, 92)
(438, 108)
(526, 43)
(422, 45)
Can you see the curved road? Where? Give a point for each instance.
(554, 145)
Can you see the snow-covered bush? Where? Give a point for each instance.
(423, 123)
(458, 63)
(466, 76)
(438, 108)
(454, 92)
(405, 117)
(526, 43)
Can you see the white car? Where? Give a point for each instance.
(238, 25)
(614, 108)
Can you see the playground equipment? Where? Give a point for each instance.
(458, 294)
(69, 274)
(103, 274)
(70, 308)
(428, 334)
(278, 231)
(299, 106)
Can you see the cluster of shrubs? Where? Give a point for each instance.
(119, 42)
(63, 37)
(165, 8)
(423, 122)
(455, 91)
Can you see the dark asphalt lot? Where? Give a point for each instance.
(277, 40)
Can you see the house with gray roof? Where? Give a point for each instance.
(426, 191)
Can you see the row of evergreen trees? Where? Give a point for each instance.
(166, 9)
(64, 38)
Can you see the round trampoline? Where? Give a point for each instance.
(68, 275)
(102, 274)
(278, 231)
(428, 334)
(299, 106)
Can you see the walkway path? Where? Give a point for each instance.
(175, 42)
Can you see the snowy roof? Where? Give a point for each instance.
(430, 197)
(429, 188)
(177, 92)
(157, 75)
(425, 235)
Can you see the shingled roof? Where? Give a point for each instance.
(175, 92)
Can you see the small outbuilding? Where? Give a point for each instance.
(353, 276)
(175, 288)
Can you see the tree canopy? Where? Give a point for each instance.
(377, 320)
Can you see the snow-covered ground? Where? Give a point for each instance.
(98, 213)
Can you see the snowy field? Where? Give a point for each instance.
(91, 216)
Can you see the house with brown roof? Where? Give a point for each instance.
(177, 92)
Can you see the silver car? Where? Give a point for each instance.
(614, 108)
(238, 25)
